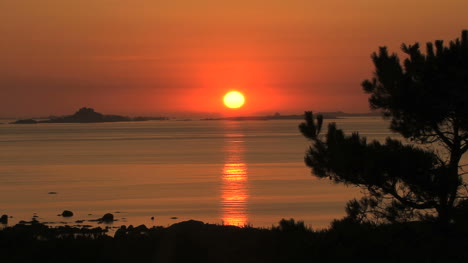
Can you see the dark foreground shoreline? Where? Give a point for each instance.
(195, 241)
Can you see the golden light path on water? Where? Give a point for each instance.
(234, 190)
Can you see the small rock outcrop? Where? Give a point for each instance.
(67, 213)
(121, 232)
(107, 218)
(4, 219)
(188, 225)
(25, 121)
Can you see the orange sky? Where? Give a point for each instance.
(156, 57)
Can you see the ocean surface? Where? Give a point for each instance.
(225, 172)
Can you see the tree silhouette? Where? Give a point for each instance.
(426, 100)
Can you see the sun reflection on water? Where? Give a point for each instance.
(234, 193)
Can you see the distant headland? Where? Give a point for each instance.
(87, 115)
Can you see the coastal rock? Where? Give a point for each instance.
(4, 219)
(188, 225)
(141, 228)
(121, 232)
(25, 121)
(107, 218)
(67, 213)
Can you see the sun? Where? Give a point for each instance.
(234, 99)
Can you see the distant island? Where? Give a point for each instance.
(278, 116)
(87, 115)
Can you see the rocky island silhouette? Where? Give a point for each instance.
(87, 115)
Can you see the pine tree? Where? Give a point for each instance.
(426, 101)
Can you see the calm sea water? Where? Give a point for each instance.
(231, 172)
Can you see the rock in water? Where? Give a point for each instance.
(67, 213)
(4, 219)
(107, 218)
(27, 121)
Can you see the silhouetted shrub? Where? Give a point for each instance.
(292, 226)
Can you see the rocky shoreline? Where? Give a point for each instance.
(195, 241)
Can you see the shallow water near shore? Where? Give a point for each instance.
(226, 172)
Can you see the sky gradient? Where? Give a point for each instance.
(148, 57)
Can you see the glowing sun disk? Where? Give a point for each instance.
(234, 99)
